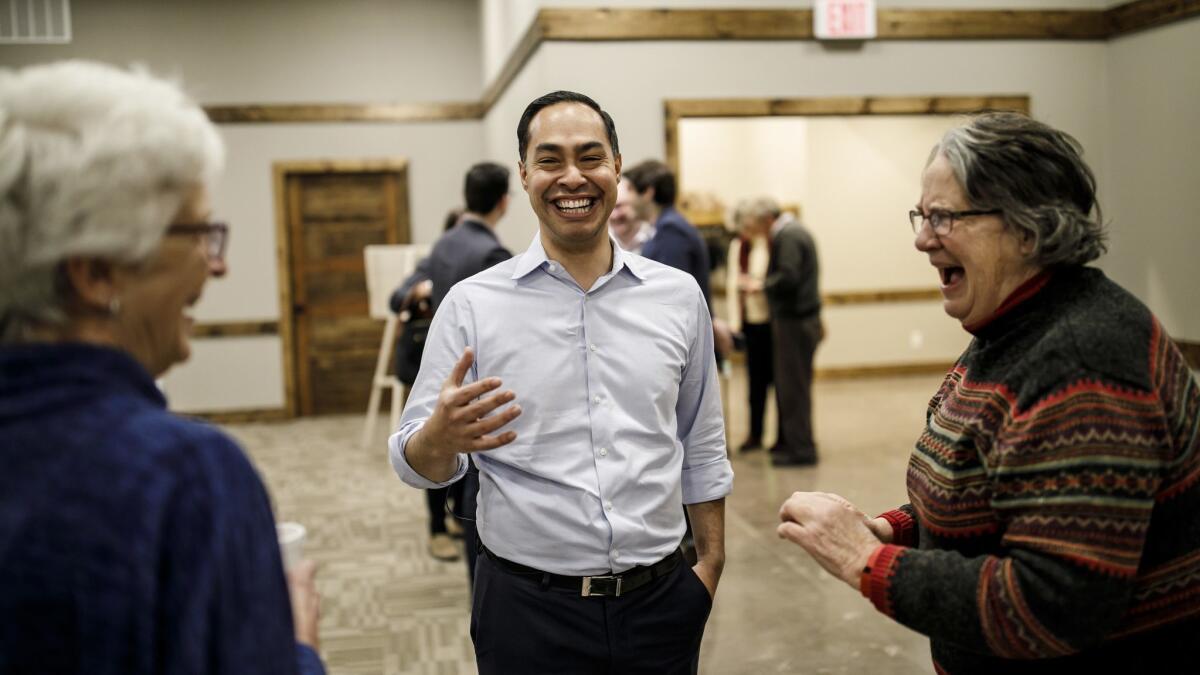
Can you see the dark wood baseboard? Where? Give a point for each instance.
(1191, 352)
(220, 329)
(883, 370)
(880, 296)
(246, 416)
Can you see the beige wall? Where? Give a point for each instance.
(290, 51)
(854, 178)
(1129, 101)
(1150, 186)
(500, 137)
(734, 158)
(295, 51)
(1065, 80)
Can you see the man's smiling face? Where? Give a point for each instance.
(570, 174)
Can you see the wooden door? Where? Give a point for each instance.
(330, 211)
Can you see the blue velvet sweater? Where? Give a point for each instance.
(131, 540)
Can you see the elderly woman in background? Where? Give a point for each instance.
(1054, 523)
(131, 540)
(748, 258)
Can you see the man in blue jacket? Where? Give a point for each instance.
(463, 251)
(676, 242)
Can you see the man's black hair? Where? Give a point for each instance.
(561, 96)
(653, 174)
(485, 185)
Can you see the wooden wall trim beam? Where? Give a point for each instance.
(344, 112)
(222, 329)
(675, 24)
(797, 24)
(1139, 15)
(845, 105)
(972, 24)
(589, 25)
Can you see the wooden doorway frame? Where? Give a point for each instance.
(677, 109)
(283, 252)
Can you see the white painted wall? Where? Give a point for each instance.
(500, 136)
(1131, 102)
(298, 51)
(854, 178)
(293, 51)
(1150, 186)
(736, 158)
(1065, 80)
(439, 154)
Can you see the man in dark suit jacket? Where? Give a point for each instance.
(795, 303)
(463, 251)
(676, 242)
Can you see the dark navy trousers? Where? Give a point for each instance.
(521, 626)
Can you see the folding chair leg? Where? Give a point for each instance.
(380, 379)
(372, 415)
(398, 391)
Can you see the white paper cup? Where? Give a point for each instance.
(291, 543)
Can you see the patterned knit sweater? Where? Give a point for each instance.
(1054, 523)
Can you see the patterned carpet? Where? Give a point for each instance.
(390, 608)
(386, 606)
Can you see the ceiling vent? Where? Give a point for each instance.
(31, 22)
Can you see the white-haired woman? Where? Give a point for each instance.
(746, 304)
(131, 540)
(1054, 493)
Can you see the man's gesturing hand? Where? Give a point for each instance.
(461, 423)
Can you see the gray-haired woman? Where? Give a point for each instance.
(1055, 490)
(131, 540)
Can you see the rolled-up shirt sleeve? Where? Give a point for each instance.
(449, 334)
(707, 474)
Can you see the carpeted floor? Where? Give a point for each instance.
(388, 607)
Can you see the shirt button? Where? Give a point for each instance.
(552, 267)
(608, 507)
(616, 553)
(604, 452)
(596, 400)
(594, 347)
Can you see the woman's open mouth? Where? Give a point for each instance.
(951, 276)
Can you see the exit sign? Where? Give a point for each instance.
(844, 19)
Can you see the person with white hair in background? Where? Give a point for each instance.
(791, 287)
(749, 314)
(132, 540)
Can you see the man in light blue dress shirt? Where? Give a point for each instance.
(583, 379)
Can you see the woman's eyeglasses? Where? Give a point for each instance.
(941, 220)
(216, 236)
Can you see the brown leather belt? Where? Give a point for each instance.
(607, 585)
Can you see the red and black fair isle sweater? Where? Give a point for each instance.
(1054, 523)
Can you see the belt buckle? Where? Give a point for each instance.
(609, 585)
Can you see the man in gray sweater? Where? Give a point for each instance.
(796, 328)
